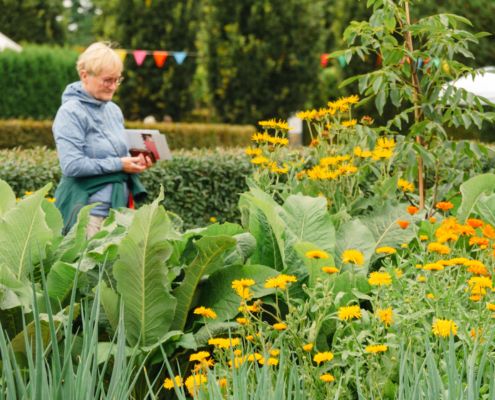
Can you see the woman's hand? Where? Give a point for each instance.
(134, 165)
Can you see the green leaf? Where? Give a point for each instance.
(24, 235)
(60, 280)
(14, 292)
(141, 273)
(486, 208)
(105, 350)
(356, 235)
(7, 197)
(210, 249)
(217, 292)
(471, 191)
(110, 301)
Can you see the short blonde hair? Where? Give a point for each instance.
(97, 57)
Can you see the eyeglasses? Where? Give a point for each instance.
(110, 81)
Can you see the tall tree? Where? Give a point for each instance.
(262, 56)
(33, 21)
(153, 25)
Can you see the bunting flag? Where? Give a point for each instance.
(342, 61)
(180, 56)
(160, 58)
(139, 56)
(324, 60)
(122, 53)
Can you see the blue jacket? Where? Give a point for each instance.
(89, 135)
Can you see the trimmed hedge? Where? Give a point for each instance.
(30, 133)
(198, 184)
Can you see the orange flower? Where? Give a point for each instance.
(444, 205)
(474, 223)
(412, 210)
(403, 224)
(489, 232)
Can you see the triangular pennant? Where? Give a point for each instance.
(180, 56)
(160, 57)
(324, 60)
(139, 56)
(122, 53)
(342, 61)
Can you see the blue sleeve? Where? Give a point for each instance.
(68, 131)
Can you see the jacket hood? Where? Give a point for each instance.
(75, 91)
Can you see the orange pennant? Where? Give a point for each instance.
(160, 58)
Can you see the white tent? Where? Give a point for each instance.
(483, 84)
(6, 43)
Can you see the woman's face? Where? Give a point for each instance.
(101, 86)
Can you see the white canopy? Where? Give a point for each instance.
(6, 43)
(483, 84)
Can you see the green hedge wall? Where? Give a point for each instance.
(30, 133)
(32, 82)
(198, 184)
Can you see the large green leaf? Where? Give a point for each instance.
(24, 234)
(486, 208)
(472, 190)
(60, 280)
(355, 235)
(209, 249)
(110, 302)
(14, 292)
(141, 273)
(7, 197)
(217, 292)
(385, 229)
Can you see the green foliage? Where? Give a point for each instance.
(157, 25)
(32, 21)
(198, 184)
(29, 133)
(32, 82)
(259, 61)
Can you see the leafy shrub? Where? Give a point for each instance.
(29, 133)
(198, 184)
(32, 82)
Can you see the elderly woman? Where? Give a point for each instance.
(91, 146)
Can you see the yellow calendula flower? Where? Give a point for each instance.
(260, 160)
(435, 247)
(327, 378)
(241, 286)
(279, 326)
(385, 315)
(398, 272)
(222, 383)
(405, 186)
(490, 306)
(270, 361)
(433, 267)
(385, 250)
(376, 348)
(316, 254)
(423, 238)
(280, 281)
(195, 382)
(253, 308)
(380, 279)
(308, 347)
(323, 357)
(353, 256)
(28, 193)
(169, 383)
(254, 357)
(205, 312)
(200, 355)
(444, 327)
(242, 321)
(350, 123)
(274, 124)
(430, 296)
(224, 343)
(330, 270)
(421, 278)
(51, 199)
(253, 151)
(347, 313)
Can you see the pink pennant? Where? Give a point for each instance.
(160, 57)
(139, 56)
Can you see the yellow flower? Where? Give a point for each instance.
(385, 250)
(405, 186)
(347, 313)
(213, 220)
(435, 247)
(444, 205)
(280, 281)
(241, 286)
(490, 306)
(308, 347)
(280, 326)
(51, 199)
(353, 256)
(423, 238)
(348, 124)
(444, 327)
(330, 270)
(250, 151)
(430, 296)
(253, 308)
(222, 382)
(385, 315)
(323, 357)
(242, 321)
(199, 356)
(169, 383)
(274, 124)
(224, 343)
(398, 272)
(195, 382)
(433, 267)
(377, 348)
(421, 278)
(205, 312)
(28, 193)
(316, 254)
(259, 160)
(380, 279)
(270, 361)
(327, 378)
